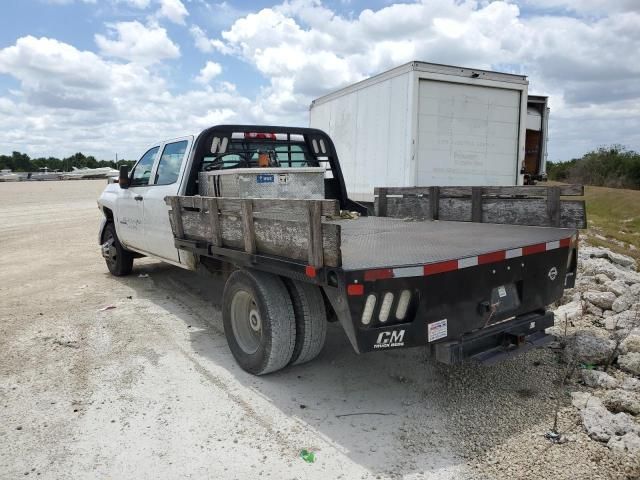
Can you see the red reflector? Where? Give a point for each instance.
(531, 249)
(310, 271)
(355, 289)
(565, 242)
(441, 267)
(491, 257)
(261, 136)
(371, 275)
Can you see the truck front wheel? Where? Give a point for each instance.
(259, 321)
(119, 261)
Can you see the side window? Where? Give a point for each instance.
(170, 162)
(142, 170)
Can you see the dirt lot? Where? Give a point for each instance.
(149, 389)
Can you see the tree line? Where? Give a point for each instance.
(613, 166)
(21, 162)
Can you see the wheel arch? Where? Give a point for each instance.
(106, 219)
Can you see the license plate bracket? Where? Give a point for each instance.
(505, 298)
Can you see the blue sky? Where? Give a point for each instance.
(107, 76)
(76, 23)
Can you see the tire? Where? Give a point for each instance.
(119, 261)
(259, 322)
(311, 320)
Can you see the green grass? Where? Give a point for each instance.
(614, 213)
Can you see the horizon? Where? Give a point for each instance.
(131, 72)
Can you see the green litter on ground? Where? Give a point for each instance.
(308, 456)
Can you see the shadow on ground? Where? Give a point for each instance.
(393, 412)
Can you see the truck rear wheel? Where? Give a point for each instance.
(119, 261)
(311, 320)
(259, 321)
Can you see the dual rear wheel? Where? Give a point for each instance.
(270, 322)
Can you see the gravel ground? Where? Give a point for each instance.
(149, 389)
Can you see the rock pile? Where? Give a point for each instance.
(598, 322)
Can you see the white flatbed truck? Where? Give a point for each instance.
(441, 276)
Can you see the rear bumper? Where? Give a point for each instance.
(497, 342)
(455, 313)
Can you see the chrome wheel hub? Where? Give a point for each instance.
(246, 322)
(109, 251)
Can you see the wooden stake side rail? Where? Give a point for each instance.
(288, 228)
(517, 205)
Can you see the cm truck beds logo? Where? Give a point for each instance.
(394, 338)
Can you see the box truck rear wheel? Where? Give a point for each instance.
(259, 321)
(311, 320)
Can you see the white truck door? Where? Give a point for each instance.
(165, 181)
(130, 211)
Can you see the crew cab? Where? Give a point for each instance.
(474, 289)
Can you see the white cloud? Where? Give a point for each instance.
(141, 4)
(200, 39)
(68, 2)
(138, 43)
(72, 100)
(205, 44)
(586, 58)
(174, 10)
(209, 72)
(304, 50)
(584, 6)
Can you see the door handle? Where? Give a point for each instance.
(138, 197)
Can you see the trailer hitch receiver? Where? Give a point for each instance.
(512, 339)
(498, 341)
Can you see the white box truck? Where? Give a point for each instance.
(424, 124)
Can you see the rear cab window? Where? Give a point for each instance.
(249, 150)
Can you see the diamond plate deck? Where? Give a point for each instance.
(380, 242)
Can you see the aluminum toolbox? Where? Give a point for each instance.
(305, 183)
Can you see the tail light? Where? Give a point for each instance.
(259, 136)
(369, 306)
(385, 308)
(403, 304)
(573, 247)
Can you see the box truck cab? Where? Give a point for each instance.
(425, 124)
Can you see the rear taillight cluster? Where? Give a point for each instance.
(573, 247)
(386, 307)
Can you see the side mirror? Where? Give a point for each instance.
(123, 179)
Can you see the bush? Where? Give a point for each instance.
(613, 166)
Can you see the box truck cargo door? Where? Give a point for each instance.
(467, 134)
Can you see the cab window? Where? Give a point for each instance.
(170, 162)
(142, 171)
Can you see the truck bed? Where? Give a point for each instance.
(383, 242)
